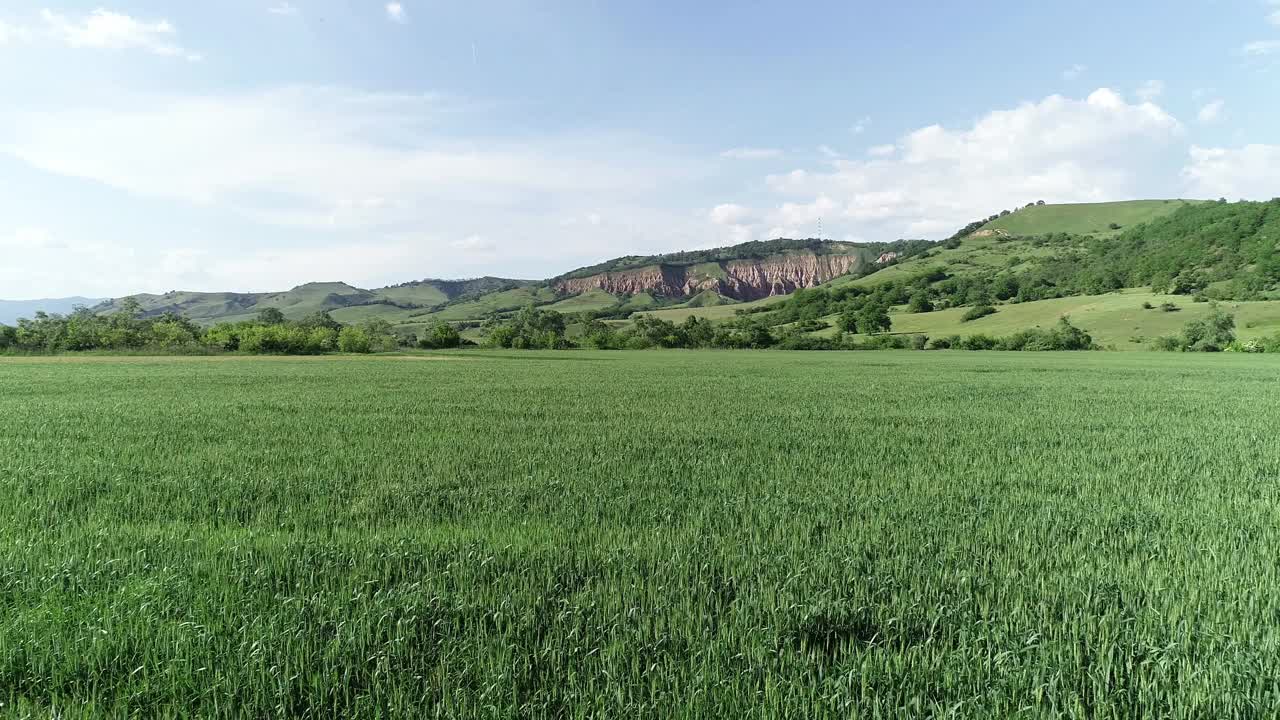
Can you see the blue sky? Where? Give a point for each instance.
(254, 145)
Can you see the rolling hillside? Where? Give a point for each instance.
(1034, 265)
(702, 278)
(1094, 219)
(396, 304)
(1185, 255)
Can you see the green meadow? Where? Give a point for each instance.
(641, 535)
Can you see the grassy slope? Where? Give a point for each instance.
(1084, 218)
(710, 312)
(971, 535)
(415, 294)
(1115, 319)
(595, 299)
(488, 304)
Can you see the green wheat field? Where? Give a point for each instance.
(641, 535)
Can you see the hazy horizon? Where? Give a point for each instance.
(256, 146)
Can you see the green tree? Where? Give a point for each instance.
(354, 339)
(439, 335)
(920, 303)
(873, 319)
(697, 331)
(1212, 333)
(129, 308)
(270, 316)
(319, 319)
(600, 335)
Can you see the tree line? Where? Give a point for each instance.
(539, 329)
(269, 332)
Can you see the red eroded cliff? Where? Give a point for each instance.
(738, 279)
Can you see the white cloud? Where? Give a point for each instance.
(861, 125)
(106, 30)
(882, 150)
(830, 152)
(396, 13)
(1211, 112)
(27, 238)
(938, 179)
(273, 155)
(1074, 71)
(1150, 90)
(284, 8)
(729, 214)
(747, 153)
(1250, 172)
(474, 244)
(352, 169)
(1261, 47)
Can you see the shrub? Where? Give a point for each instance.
(1246, 346)
(920, 303)
(978, 342)
(284, 339)
(1063, 336)
(1168, 343)
(354, 340)
(440, 335)
(1169, 307)
(979, 311)
(811, 325)
(944, 343)
(1210, 334)
(1148, 306)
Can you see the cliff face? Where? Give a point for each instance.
(738, 279)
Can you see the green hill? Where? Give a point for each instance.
(1098, 219)
(414, 304)
(1194, 253)
(1033, 265)
(396, 304)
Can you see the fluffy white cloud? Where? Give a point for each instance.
(1251, 172)
(381, 178)
(474, 244)
(284, 8)
(1057, 149)
(396, 13)
(729, 214)
(882, 150)
(860, 126)
(1211, 111)
(318, 157)
(106, 30)
(746, 153)
(1150, 90)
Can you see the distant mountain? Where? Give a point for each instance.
(11, 310)
(397, 303)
